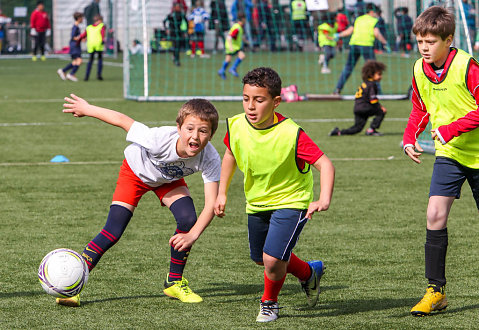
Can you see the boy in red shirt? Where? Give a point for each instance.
(40, 29)
(445, 91)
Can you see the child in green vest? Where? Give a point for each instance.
(276, 156)
(326, 40)
(95, 35)
(234, 46)
(445, 92)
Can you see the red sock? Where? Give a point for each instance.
(201, 45)
(271, 288)
(193, 46)
(299, 268)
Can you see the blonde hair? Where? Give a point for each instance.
(200, 108)
(435, 20)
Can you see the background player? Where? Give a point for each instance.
(366, 103)
(75, 50)
(234, 46)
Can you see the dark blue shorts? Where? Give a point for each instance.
(274, 233)
(448, 176)
(235, 52)
(75, 56)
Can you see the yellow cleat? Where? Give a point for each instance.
(34, 58)
(43, 58)
(432, 301)
(180, 290)
(70, 302)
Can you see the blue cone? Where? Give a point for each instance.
(59, 159)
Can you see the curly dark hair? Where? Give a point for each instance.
(264, 77)
(370, 68)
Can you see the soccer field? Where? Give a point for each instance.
(371, 239)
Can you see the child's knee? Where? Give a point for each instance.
(184, 212)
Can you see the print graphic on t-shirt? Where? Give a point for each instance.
(176, 170)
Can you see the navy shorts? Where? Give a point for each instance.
(448, 176)
(75, 56)
(274, 233)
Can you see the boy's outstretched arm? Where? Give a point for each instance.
(80, 108)
(228, 167)
(326, 170)
(181, 242)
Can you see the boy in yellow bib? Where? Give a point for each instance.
(95, 40)
(275, 155)
(445, 89)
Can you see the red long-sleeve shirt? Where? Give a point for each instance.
(419, 116)
(39, 21)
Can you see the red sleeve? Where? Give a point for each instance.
(418, 118)
(234, 33)
(103, 30)
(83, 35)
(33, 19)
(471, 120)
(226, 141)
(308, 151)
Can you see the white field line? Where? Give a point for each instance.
(166, 122)
(59, 101)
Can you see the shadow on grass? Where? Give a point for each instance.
(88, 302)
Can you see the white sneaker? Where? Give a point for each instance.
(325, 70)
(72, 77)
(61, 74)
(268, 311)
(205, 56)
(321, 59)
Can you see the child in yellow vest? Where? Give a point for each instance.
(276, 156)
(326, 40)
(445, 92)
(95, 35)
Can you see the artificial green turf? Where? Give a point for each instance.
(371, 239)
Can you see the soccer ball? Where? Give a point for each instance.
(63, 273)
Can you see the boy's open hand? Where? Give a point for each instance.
(414, 153)
(76, 106)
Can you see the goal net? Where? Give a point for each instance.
(273, 40)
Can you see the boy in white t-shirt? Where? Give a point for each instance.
(158, 159)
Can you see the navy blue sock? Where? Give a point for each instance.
(225, 65)
(236, 63)
(68, 67)
(118, 219)
(100, 64)
(74, 70)
(184, 212)
(435, 257)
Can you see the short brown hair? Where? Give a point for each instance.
(77, 15)
(435, 20)
(200, 108)
(370, 68)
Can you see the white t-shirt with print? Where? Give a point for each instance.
(153, 158)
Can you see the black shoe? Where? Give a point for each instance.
(335, 132)
(99, 78)
(177, 63)
(86, 79)
(373, 132)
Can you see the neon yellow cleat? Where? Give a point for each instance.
(432, 301)
(180, 290)
(70, 302)
(34, 58)
(43, 58)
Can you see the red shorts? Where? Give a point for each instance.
(130, 189)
